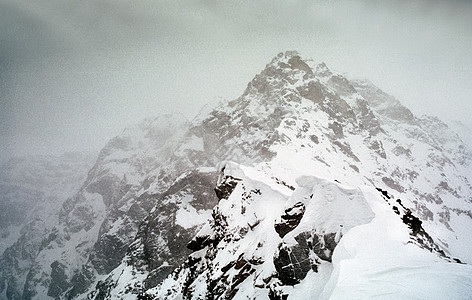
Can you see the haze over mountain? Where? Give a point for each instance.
(73, 73)
(308, 185)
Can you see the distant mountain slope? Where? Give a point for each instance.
(33, 183)
(32, 190)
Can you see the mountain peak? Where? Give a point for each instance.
(292, 60)
(286, 55)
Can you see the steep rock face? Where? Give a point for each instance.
(108, 206)
(114, 200)
(290, 219)
(355, 136)
(383, 103)
(160, 244)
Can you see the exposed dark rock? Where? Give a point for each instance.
(245, 270)
(59, 283)
(219, 225)
(323, 245)
(424, 212)
(342, 85)
(312, 91)
(226, 187)
(413, 222)
(346, 149)
(367, 119)
(296, 62)
(159, 238)
(384, 193)
(80, 282)
(400, 113)
(111, 187)
(457, 260)
(378, 148)
(337, 130)
(395, 209)
(277, 295)
(144, 296)
(290, 219)
(314, 139)
(107, 254)
(292, 263)
(284, 183)
(399, 150)
(103, 289)
(383, 103)
(157, 275)
(355, 168)
(199, 242)
(444, 186)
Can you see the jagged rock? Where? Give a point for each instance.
(164, 239)
(200, 242)
(292, 263)
(275, 294)
(226, 187)
(322, 245)
(392, 183)
(290, 219)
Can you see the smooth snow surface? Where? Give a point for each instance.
(376, 260)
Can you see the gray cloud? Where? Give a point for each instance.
(73, 73)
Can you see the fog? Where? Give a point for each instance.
(74, 73)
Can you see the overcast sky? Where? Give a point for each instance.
(73, 73)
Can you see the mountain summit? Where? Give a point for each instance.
(309, 185)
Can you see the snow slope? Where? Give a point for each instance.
(374, 253)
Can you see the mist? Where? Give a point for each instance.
(75, 73)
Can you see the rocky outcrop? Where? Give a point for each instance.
(292, 262)
(226, 186)
(290, 219)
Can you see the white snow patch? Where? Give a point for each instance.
(187, 216)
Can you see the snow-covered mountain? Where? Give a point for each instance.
(33, 189)
(358, 198)
(309, 185)
(464, 131)
(321, 240)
